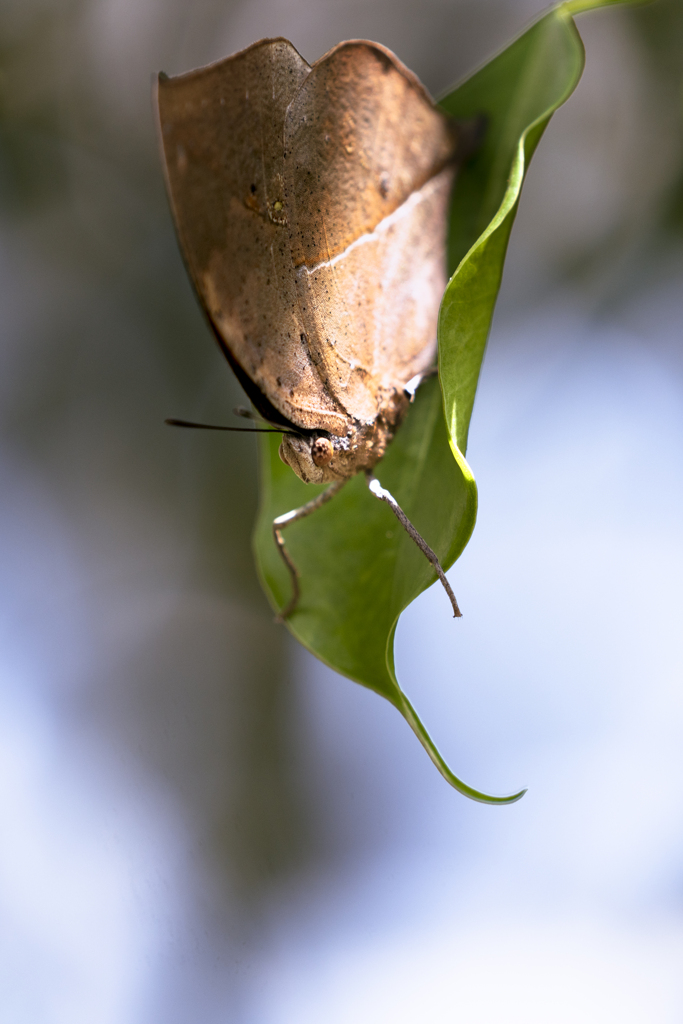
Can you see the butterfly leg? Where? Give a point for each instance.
(293, 517)
(384, 495)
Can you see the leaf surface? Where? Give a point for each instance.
(358, 568)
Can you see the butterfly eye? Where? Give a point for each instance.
(322, 451)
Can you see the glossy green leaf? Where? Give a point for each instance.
(358, 569)
(517, 92)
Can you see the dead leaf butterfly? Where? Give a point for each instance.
(311, 207)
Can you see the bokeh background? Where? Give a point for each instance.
(199, 822)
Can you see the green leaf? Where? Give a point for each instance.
(358, 569)
(517, 92)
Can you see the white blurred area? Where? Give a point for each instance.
(201, 823)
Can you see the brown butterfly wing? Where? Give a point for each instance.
(368, 174)
(311, 210)
(222, 137)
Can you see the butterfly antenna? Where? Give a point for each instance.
(237, 430)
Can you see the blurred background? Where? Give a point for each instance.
(200, 822)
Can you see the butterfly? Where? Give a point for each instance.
(310, 203)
